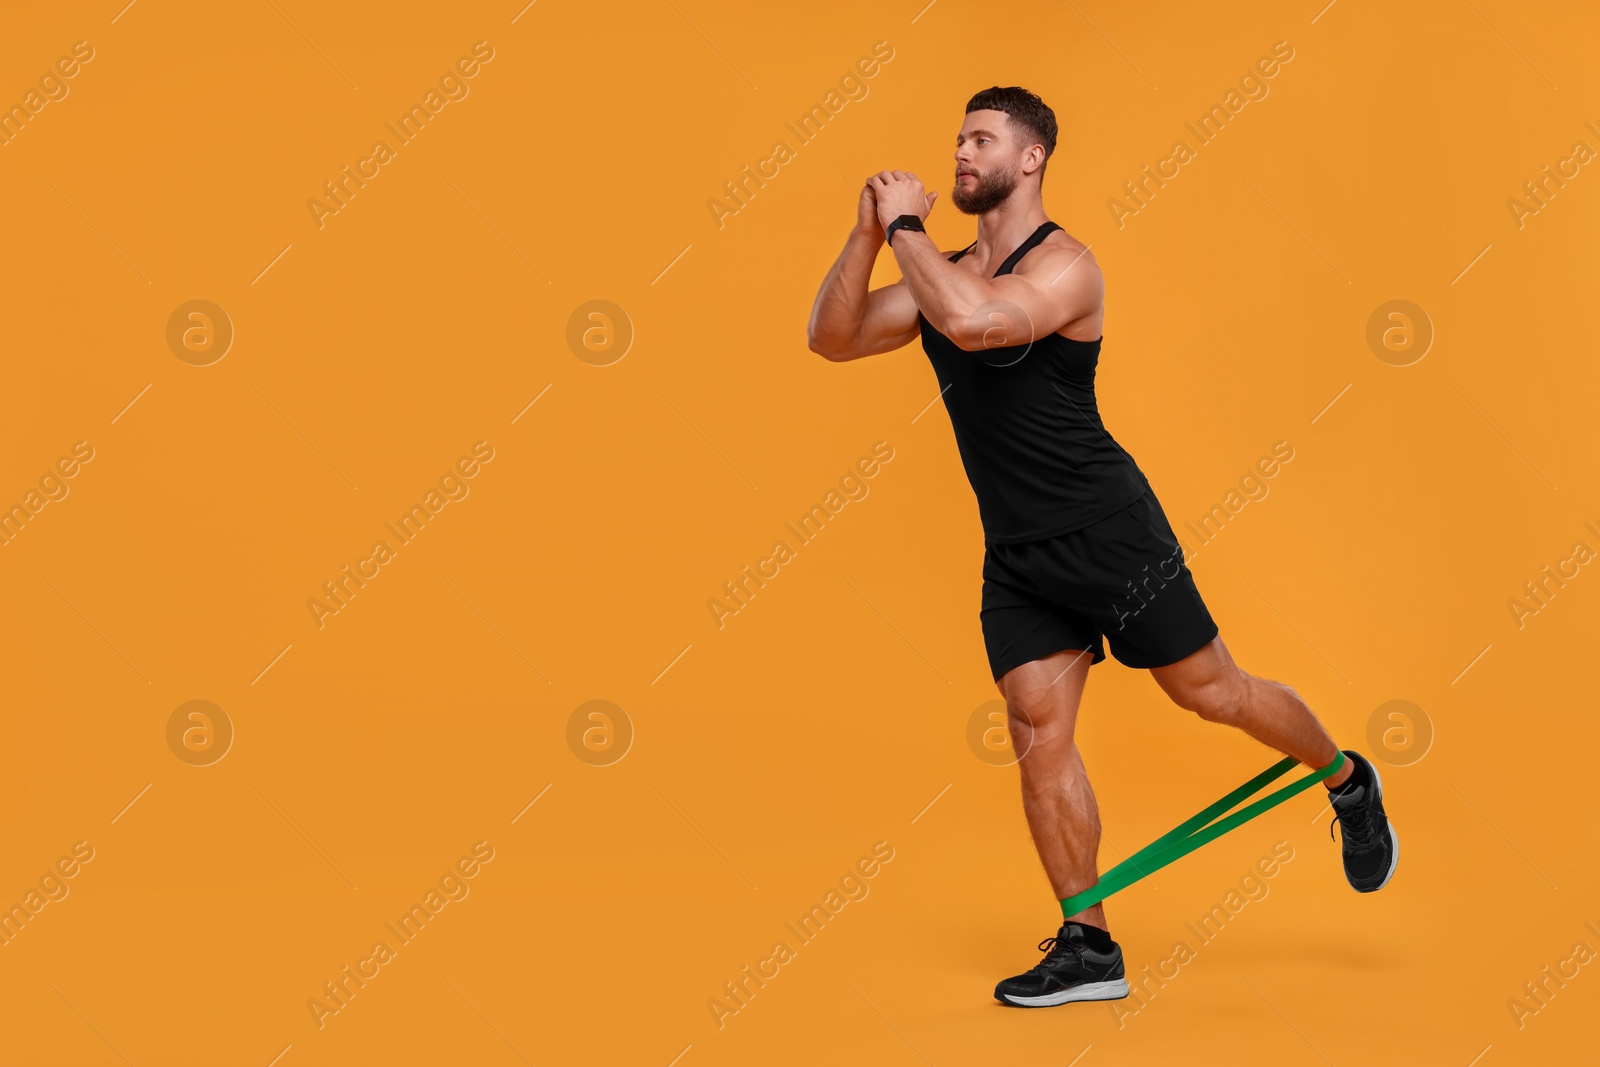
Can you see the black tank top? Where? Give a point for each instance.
(1039, 459)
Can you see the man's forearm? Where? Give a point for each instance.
(946, 294)
(841, 303)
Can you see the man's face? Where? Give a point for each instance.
(988, 162)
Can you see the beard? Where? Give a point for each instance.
(988, 192)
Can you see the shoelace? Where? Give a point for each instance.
(1360, 824)
(1056, 949)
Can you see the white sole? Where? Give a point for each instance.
(1394, 859)
(1113, 990)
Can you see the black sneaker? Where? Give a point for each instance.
(1371, 849)
(1070, 971)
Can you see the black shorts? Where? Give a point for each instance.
(1122, 578)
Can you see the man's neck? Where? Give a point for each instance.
(1003, 229)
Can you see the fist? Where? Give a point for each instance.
(899, 193)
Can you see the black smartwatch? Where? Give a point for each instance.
(904, 222)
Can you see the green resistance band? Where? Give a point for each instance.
(1189, 836)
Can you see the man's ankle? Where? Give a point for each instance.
(1355, 774)
(1341, 776)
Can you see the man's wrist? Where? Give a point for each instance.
(905, 231)
(902, 224)
(904, 236)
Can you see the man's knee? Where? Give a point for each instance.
(1037, 718)
(1217, 699)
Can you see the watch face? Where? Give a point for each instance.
(905, 222)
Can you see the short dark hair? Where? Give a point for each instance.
(1023, 108)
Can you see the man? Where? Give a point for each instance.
(1077, 548)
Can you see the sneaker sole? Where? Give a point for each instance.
(1113, 990)
(1394, 839)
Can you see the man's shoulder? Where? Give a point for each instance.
(1063, 263)
(1058, 246)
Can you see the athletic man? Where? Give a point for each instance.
(1077, 549)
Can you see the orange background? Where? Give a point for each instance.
(768, 755)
